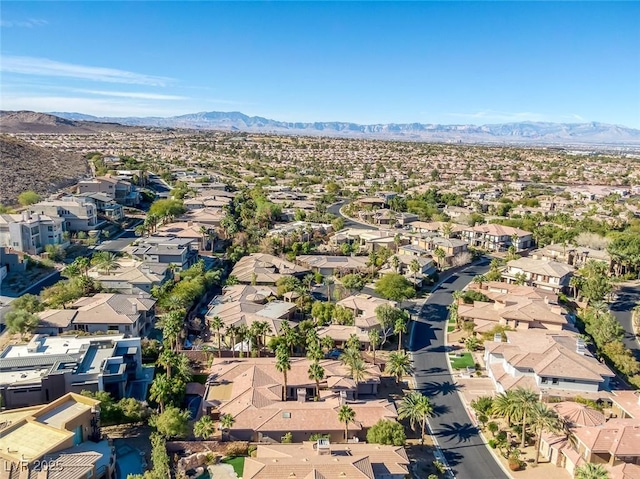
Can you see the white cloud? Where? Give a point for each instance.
(89, 106)
(29, 23)
(126, 94)
(52, 68)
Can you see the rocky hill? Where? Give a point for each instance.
(525, 133)
(28, 167)
(34, 122)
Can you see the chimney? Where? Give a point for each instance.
(302, 395)
(497, 337)
(134, 308)
(323, 447)
(343, 398)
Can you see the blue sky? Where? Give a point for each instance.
(432, 62)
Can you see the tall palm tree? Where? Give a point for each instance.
(217, 324)
(415, 268)
(243, 335)
(374, 340)
(480, 280)
(108, 263)
(316, 373)
(261, 329)
(525, 401)
(232, 332)
(398, 365)
(204, 427)
(504, 406)
(417, 408)
(346, 415)
(161, 390)
(544, 419)
(400, 326)
(226, 423)
(395, 263)
(204, 231)
(440, 254)
(357, 371)
(591, 471)
(283, 364)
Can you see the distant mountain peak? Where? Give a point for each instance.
(526, 132)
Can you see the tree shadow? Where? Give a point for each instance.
(453, 458)
(444, 388)
(434, 370)
(461, 432)
(435, 313)
(422, 335)
(440, 409)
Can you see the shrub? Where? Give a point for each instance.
(492, 443)
(237, 448)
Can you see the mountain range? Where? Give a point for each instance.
(534, 133)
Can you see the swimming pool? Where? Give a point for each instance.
(193, 405)
(129, 460)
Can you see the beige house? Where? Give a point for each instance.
(364, 307)
(548, 275)
(493, 237)
(322, 459)
(334, 265)
(64, 433)
(265, 269)
(552, 363)
(575, 256)
(252, 391)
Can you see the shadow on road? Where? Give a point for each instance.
(444, 388)
(627, 299)
(461, 432)
(441, 409)
(436, 313)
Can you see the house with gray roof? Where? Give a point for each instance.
(179, 252)
(546, 275)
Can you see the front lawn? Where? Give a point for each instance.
(464, 361)
(237, 463)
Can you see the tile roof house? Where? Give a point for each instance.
(244, 305)
(553, 363)
(549, 275)
(494, 237)
(164, 250)
(575, 256)
(251, 391)
(364, 309)
(518, 307)
(265, 269)
(322, 459)
(334, 265)
(133, 276)
(64, 435)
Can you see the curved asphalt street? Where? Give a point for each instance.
(459, 439)
(334, 209)
(627, 298)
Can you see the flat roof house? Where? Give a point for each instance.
(50, 366)
(79, 214)
(159, 249)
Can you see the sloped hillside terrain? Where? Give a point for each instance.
(34, 122)
(28, 167)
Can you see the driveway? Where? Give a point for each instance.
(451, 426)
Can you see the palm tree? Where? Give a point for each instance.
(172, 323)
(108, 263)
(591, 471)
(525, 401)
(316, 373)
(283, 364)
(395, 263)
(226, 422)
(544, 419)
(204, 231)
(261, 329)
(504, 406)
(167, 359)
(400, 326)
(357, 370)
(346, 415)
(417, 408)
(204, 427)
(374, 339)
(328, 281)
(231, 332)
(398, 365)
(415, 268)
(243, 335)
(371, 261)
(161, 390)
(217, 324)
(440, 255)
(480, 280)
(83, 263)
(471, 343)
(447, 229)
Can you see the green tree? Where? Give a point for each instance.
(387, 432)
(171, 423)
(374, 340)
(55, 252)
(525, 401)
(395, 287)
(346, 415)
(204, 428)
(28, 197)
(591, 471)
(316, 373)
(283, 364)
(216, 324)
(387, 316)
(400, 326)
(544, 419)
(21, 321)
(417, 408)
(226, 423)
(166, 209)
(398, 365)
(28, 302)
(353, 282)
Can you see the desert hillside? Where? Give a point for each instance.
(28, 167)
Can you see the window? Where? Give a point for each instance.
(49, 228)
(286, 415)
(555, 381)
(544, 380)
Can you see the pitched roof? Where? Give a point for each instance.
(542, 267)
(268, 269)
